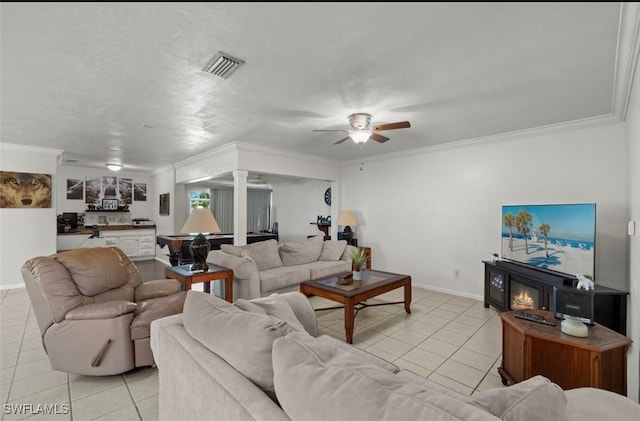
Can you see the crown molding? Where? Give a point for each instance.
(626, 57)
(162, 170)
(211, 153)
(33, 149)
(586, 123)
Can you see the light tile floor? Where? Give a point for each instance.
(450, 340)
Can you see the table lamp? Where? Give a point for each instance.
(346, 219)
(200, 221)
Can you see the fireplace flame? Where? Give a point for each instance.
(522, 301)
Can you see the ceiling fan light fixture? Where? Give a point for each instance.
(114, 167)
(360, 136)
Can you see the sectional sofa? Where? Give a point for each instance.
(263, 359)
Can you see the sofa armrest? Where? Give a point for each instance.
(346, 255)
(246, 278)
(157, 288)
(107, 310)
(303, 310)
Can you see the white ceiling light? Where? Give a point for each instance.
(114, 167)
(360, 136)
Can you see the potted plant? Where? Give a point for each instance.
(358, 257)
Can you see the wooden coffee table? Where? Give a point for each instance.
(373, 283)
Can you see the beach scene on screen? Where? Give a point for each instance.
(556, 237)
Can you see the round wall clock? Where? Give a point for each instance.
(327, 196)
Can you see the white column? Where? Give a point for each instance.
(336, 204)
(240, 207)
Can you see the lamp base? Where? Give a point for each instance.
(347, 234)
(200, 249)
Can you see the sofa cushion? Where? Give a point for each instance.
(231, 249)
(589, 403)
(315, 380)
(241, 338)
(263, 253)
(301, 252)
(332, 250)
(535, 399)
(360, 354)
(282, 277)
(321, 269)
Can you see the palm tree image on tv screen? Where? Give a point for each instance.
(555, 237)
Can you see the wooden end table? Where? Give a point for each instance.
(530, 348)
(373, 283)
(184, 274)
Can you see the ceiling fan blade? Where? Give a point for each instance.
(335, 130)
(341, 140)
(378, 138)
(393, 126)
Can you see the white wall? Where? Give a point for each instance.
(633, 166)
(428, 213)
(26, 233)
(138, 209)
(296, 205)
(163, 181)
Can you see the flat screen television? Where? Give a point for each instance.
(558, 237)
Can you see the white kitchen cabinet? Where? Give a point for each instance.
(146, 245)
(138, 244)
(129, 245)
(110, 241)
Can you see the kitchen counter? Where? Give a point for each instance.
(125, 227)
(138, 242)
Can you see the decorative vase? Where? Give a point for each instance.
(357, 275)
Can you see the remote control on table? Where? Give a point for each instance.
(533, 317)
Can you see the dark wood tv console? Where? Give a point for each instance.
(501, 277)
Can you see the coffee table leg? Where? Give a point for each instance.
(348, 320)
(407, 298)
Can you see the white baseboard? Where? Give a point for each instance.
(11, 286)
(448, 291)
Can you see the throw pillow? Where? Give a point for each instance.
(535, 399)
(332, 250)
(242, 339)
(315, 380)
(273, 305)
(301, 252)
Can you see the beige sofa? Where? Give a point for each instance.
(264, 360)
(264, 268)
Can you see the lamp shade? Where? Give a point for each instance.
(347, 218)
(200, 221)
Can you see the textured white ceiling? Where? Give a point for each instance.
(122, 81)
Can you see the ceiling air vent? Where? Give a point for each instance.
(222, 65)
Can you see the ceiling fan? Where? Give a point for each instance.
(361, 130)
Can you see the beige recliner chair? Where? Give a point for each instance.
(94, 311)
